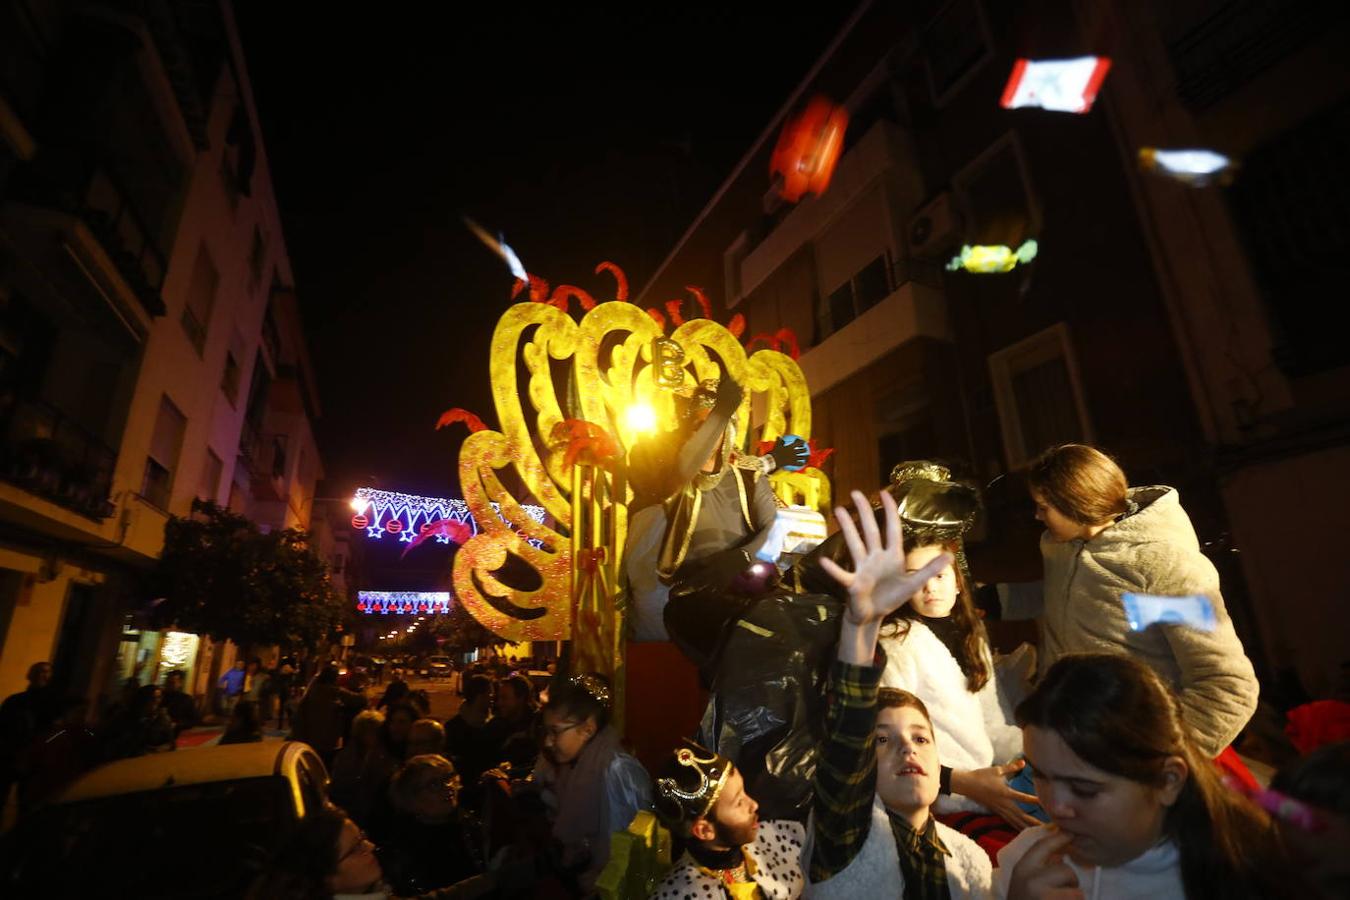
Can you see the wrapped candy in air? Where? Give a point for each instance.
(983, 259)
(1059, 85)
(1195, 167)
(1143, 610)
(808, 149)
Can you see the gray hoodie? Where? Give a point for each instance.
(1153, 550)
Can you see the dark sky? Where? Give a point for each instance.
(581, 136)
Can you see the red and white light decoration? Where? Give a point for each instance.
(403, 602)
(406, 515)
(1059, 85)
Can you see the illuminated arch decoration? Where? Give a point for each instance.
(403, 602)
(594, 371)
(404, 515)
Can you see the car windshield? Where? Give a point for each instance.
(439, 660)
(200, 840)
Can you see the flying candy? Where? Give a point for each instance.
(1059, 85)
(1143, 610)
(808, 149)
(499, 246)
(1194, 167)
(985, 259)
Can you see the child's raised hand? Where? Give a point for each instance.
(878, 584)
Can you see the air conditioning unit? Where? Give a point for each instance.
(934, 229)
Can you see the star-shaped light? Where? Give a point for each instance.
(374, 531)
(407, 537)
(442, 538)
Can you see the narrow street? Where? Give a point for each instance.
(445, 702)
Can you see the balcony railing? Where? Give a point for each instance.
(47, 454)
(74, 184)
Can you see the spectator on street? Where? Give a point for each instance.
(431, 842)
(319, 719)
(22, 717)
(180, 706)
(284, 681)
(327, 855)
(514, 714)
(427, 736)
(143, 728)
(396, 692)
(362, 769)
(231, 685)
(465, 741)
(57, 755)
(245, 724)
(398, 721)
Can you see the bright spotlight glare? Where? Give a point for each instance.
(641, 417)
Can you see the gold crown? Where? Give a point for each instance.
(595, 686)
(713, 771)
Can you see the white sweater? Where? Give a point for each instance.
(971, 729)
(875, 871)
(1153, 875)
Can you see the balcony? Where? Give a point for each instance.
(189, 37)
(80, 203)
(46, 454)
(913, 309)
(265, 457)
(883, 151)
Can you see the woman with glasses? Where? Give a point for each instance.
(590, 786)
(430, 841)
(327, 855)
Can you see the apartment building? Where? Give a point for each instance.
(1178, 328)
(150, 345)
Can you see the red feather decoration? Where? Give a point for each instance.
(621, 289)
(451, 416)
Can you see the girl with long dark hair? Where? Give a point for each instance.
(1137, 809)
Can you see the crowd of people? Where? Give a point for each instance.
(902, 756)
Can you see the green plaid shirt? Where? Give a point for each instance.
(846, 781)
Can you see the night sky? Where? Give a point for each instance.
(580, 136)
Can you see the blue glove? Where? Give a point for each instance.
(790, 453)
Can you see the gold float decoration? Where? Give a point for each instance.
(598, 370)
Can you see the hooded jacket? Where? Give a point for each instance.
(1152, 550)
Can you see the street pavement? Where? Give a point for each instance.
(445, 702)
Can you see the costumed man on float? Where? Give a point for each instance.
(696, 495)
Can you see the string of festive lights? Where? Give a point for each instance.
(403, 602)
(404, 515)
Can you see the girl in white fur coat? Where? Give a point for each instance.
(936, 649)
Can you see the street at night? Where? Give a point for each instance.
(747, 451)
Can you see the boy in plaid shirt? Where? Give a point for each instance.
(878, 771)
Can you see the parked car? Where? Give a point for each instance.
(437, 667)
(193, 823)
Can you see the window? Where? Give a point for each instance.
(1289, 205)
(238, 158)
(256, 258)
(229, 379)
(165, 442)
(956, 45)
(201, 297)
(1039, 395)
(995, 189)
(212, 467)
(868, 287)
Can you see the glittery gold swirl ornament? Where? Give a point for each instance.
(594, 371)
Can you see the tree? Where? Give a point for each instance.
(222, 576)
(461, 631)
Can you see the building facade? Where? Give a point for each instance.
(1175, 327)
(150, 347)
